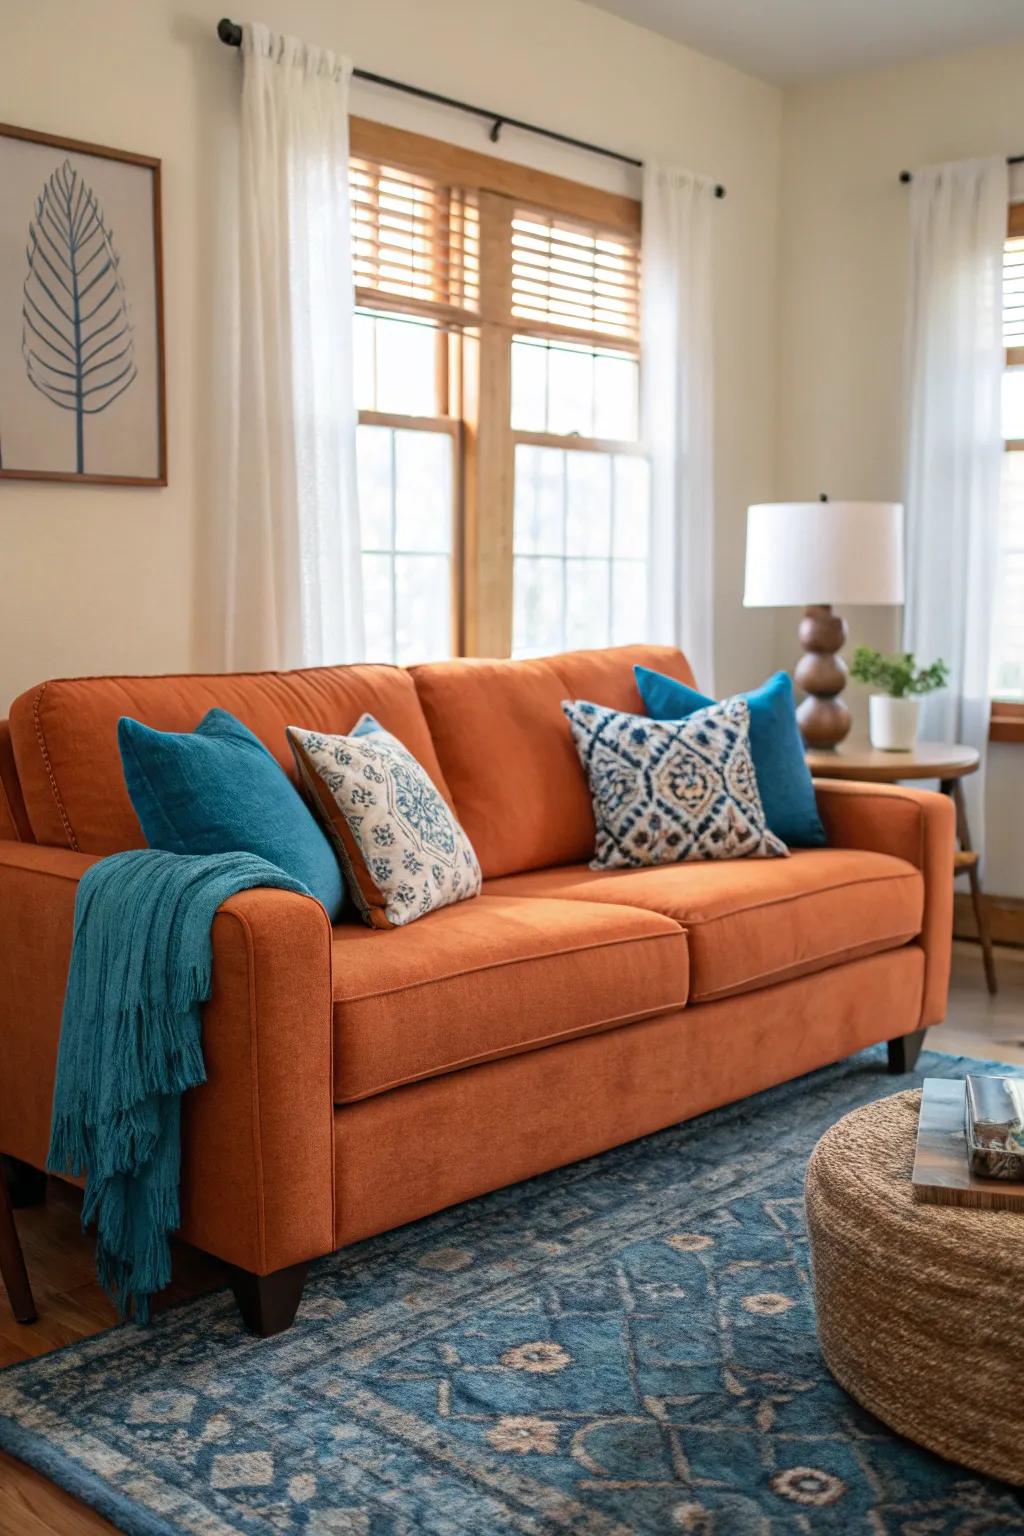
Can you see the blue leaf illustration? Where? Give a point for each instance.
(77, 333)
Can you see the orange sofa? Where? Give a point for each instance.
(359, 1079)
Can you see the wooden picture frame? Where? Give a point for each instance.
(62, 363)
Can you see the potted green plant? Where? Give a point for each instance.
(895, 709)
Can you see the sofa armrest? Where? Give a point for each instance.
(257, 1136)
(918, 826)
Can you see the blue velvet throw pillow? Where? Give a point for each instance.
(218, 790)
(783, 778)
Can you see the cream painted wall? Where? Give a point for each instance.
(843, 286)
(110, 580)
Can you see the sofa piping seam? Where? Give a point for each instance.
(760, 906)
(254, 1089)
(891, 940)
(757, 906)
(497, 965)
(51, 776)
(501, 1053)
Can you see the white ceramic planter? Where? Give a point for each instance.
(893, 722)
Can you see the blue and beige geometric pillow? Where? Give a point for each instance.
(403, 852)
(783, 778)
(666, 792)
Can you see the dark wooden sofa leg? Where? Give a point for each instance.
(26, 1185)
(904, 1051)
(268, 1303)
(13, 1273)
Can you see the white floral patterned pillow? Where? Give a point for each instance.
(402, 850)
(667, 791)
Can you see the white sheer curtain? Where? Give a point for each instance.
(294, 590)
(677, 398)
(954, 448)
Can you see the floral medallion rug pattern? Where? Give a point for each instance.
(625, 1346)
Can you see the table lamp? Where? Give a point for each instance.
(818, 554)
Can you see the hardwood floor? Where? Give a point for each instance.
(72, 1306)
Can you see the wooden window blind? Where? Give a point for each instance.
(1013, 292)
(574, 278)
(415, 242)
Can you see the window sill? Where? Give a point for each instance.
(1006, 722)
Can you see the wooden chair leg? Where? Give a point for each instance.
(268, 1303)
(12, 1263)
(977, 896)
(984, 932)
(904, 1051)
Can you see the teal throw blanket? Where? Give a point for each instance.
(130, 1045)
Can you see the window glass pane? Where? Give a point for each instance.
(586, 603)
(406, 367)
(616, 392)
(629, 602)
(537, 623)
(1013, 403)
(539, 501)
(373, 459)
(631, 523)
(377, 605)
(408, 596)
(1008, 631)
(423, 606)
(589, 503)
(365, 366)
(570, 392)
(529, 387)
(423, 491)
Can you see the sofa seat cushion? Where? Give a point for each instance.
(752, 922)
(493, 977)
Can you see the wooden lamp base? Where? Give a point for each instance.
(823, 718)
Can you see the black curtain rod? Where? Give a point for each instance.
(906, 176)
(231, 33)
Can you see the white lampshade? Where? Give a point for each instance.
(842, 552)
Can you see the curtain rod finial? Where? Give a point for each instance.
(906, 176)
(229, 32)
(719, 190)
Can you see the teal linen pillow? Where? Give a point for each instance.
(218, 790)
(783, 778)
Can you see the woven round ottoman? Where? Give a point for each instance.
(920, 1307)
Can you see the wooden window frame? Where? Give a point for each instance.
(1006, 722)
(1006, 719)
(479, 395)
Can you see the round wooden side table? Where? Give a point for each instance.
(927, 760)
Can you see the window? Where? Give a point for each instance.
(1008, 633)
(416, 258)
(503, 492)
(581, 487)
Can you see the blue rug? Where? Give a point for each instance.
(625, 1346)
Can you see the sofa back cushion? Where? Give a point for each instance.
(64, 735)
(506, 751)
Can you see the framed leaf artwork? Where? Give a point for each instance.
(82, 394)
